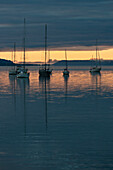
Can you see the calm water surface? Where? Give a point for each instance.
(57, 123)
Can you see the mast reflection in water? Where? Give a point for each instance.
(66, 77)
(44, 83)
(23, 84)
(96, 81)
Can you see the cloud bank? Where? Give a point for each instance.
(71, 23)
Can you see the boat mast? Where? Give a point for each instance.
(96, 52)
(45, 44)
(92, 61)
(66, 59)
(14, 54)
(48, 59)
(99, 59)
(24, 41)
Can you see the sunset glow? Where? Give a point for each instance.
(38, 56)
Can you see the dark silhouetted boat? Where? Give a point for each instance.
(97, 67)
(66, 71)
(45, 72)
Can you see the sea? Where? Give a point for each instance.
(56, 123)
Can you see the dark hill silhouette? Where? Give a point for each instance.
(82, 62)
(4, 62)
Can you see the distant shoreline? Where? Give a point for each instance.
(4, 62)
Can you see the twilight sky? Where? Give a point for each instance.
(72, 24)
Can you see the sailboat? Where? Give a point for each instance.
(23, 71)
(66, 71)
(45, 72)
(13, 71)
(96, 68)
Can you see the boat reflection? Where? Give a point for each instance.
(23, 85)
(23, 82)
(12, 80)
(95, 73)
(44, 84)
(66, 78)
(96, 82)
(19, 87)
(79, 83)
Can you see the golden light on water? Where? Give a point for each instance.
(78, 81)
(38, 56)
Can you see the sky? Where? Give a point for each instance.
(73, 25)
